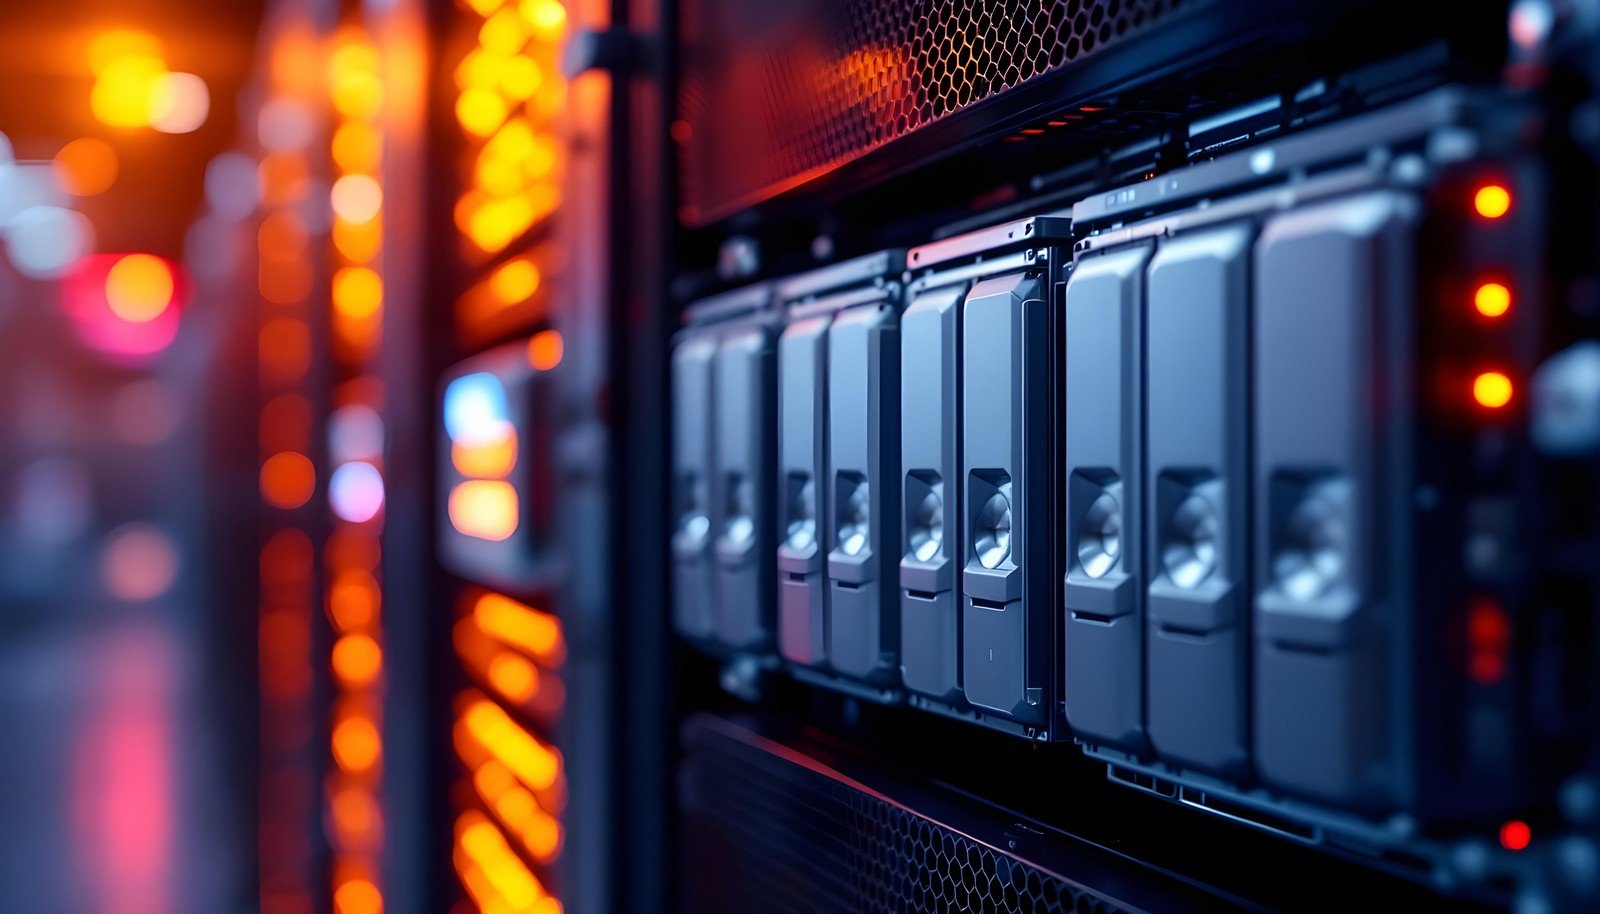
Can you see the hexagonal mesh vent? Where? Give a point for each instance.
(762, 833)
(773, 92)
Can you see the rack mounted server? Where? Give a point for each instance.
(1242, 477)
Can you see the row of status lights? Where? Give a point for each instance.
(510, 93)
(355, 488)
(287, 482)
(516, 777)
(1488, 628)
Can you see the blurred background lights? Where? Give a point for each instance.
(287, 480)
(124, 305)
(133, 87)
(356, 146)
(484, 509)
(52, 501)
(358, 896)
(139, 287)
(475, 408)
(284, 125)
(514, 282)
(355, 492)
(355, 432)
(115, 44)
(357, 198)
(357, 659)
(545, 350)
(86, 166)
(126, 90)
(357, 292)
(139, 562)
(44, 241)
(179, 103)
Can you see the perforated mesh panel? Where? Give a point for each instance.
(762, 833)
(776, 91)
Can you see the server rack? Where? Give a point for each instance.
(911, 422)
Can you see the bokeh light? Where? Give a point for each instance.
(86, 166)
(139, 287)
(179, 103)
(138, 563)
(355, 491)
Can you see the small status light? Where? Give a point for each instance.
(545, 350)
(1492, 201)
(1515, 835)
(1492, 299)
(1491, 389)
(139, 288)
(484, 509)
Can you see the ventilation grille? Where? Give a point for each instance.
(763, 833)
(774, 92)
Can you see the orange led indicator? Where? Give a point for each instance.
(1492, 299)
(1491, 389)
(1492, 201)
(545, 350)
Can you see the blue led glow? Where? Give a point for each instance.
(475, 408)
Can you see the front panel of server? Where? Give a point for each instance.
(1241, 453)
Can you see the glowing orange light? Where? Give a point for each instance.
(520, 77)
(353, 600)
(139, 287)
(1492, 299)
(1491, 389)
(1492, 201)
(480, 111)
(503, 33)
(355, 815)
(491, 458)
(534, 763)
(492, 779)
(544, 350)
(483, 509)
(358, 242)
(356, 147)
(357, 292)
(86, 166)
(287, 480)
(492, 871)
(358, 896)
(357, 659)
(535, 632)
(1515, 835)
(284, 178)
(111, 46)
(514, 282)
(547, 17)
(356, 745)
(125, 89)
(513, 676)
(353, 80)
(356, 198)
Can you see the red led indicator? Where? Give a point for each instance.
(1488, 643)
(1515, 835)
